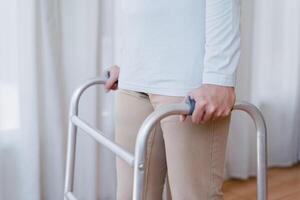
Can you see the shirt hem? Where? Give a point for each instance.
(176, 92)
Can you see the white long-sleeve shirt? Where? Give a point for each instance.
(172, 47)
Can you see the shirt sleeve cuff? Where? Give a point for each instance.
(219, 79)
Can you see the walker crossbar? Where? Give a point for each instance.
(138, 159)
(98, 136)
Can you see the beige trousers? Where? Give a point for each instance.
(191, 155)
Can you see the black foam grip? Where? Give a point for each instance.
(192, 103)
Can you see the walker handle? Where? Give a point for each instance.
(191, 102)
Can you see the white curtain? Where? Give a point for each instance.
(47, 48)
(269, 77)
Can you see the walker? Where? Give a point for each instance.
(138, 159)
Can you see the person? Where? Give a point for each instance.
(166, 51)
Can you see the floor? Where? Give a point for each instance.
(284, 184)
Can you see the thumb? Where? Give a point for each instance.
(109, 84)
(182, 118)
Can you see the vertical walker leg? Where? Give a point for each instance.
(71, 150)
(72, 135)
(261, 140)
(69, 180)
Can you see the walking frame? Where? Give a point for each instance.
(137, 160)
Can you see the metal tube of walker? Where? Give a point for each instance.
(261, 140)
(148, 125)
(173, 109)
(71, 149)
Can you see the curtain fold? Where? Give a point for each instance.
(48, 48)
(269, 77)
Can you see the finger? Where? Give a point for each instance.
(217, 115)
(183, 118)
(226, 112)
(198, 112)
(208, 114)
(109, 84)
(221, 114)
(115, 86)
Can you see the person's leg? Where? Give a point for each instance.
(131, 110)
(195, 154)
